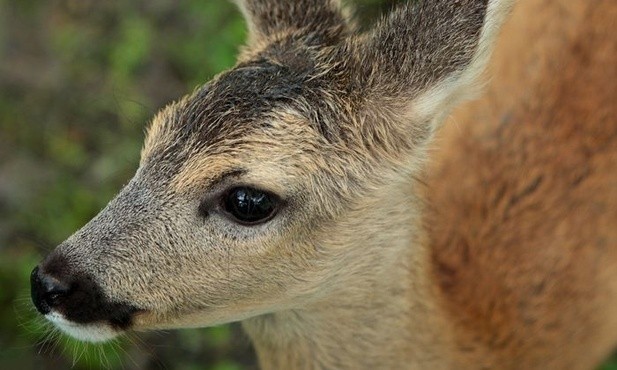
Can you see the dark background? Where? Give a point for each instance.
(79, 81)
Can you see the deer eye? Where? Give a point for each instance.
(250, 206)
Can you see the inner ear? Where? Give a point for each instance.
(317, 21)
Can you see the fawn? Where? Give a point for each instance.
(293, 193)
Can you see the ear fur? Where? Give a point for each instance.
(438, 100)
(426, 57)
(269, 19)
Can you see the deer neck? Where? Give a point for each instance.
(379, 312)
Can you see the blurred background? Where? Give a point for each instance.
(79, 81)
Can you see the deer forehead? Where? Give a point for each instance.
(260, 114)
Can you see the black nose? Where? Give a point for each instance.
(47, 291)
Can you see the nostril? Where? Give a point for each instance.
(55, 294)
(47, 291)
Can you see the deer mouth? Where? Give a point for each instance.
(91, 332)
(76, 305)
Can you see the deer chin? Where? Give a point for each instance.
(96, 332)
(157, 320)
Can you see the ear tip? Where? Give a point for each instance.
(273, 18)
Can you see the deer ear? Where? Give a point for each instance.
(268, 19)
(425, 57)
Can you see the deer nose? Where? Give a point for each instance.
(47, 291)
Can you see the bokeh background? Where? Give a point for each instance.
(79, 81)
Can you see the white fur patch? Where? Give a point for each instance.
(95, 333)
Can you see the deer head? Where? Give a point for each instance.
(273, 182)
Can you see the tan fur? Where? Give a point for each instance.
(502, 255)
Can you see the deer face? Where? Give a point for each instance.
(241, 185)
(231, 180)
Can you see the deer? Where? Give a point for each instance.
(321, 193)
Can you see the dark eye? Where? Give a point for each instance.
(250, 206)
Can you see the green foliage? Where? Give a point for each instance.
(610, 365)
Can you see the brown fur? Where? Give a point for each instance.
(524, 195)
(503, 258)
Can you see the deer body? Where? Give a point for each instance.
(537, 192)
(504, 257)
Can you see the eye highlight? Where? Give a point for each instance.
(250, 206)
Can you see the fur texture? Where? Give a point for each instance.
(503, 258)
